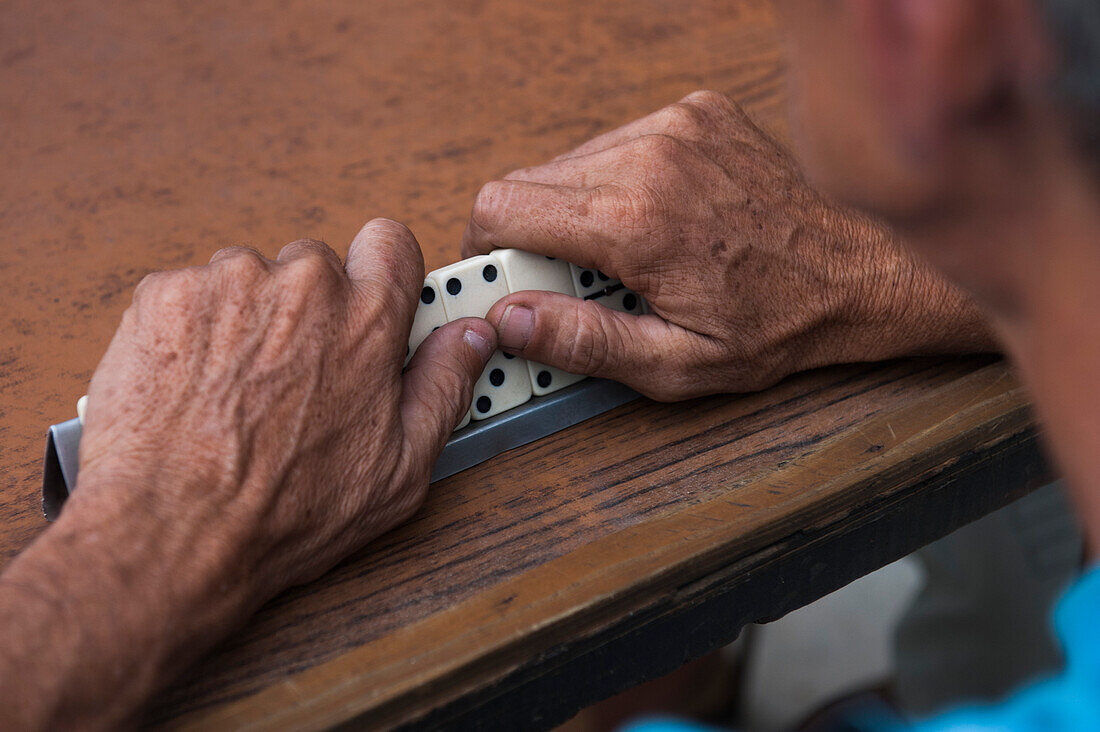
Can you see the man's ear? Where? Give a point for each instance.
(936, 64)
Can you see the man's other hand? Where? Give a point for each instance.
(259, 407)
(249, 426)
(749, 273)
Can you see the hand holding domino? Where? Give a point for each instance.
(753, 274)
(471, 287)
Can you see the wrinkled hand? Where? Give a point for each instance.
(256, 412)
(751, 275)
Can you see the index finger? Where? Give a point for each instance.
(703, 118)
(556, 221)
(385, 264)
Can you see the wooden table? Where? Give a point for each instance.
(143, 136)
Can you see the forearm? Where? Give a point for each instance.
(894, 305)
(231, 449)
(100, 612)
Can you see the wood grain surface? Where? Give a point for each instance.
(144, 136)
(661, 560)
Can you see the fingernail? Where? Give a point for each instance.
(479, 343)
(515, 327)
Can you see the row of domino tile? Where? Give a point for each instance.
(470, 287)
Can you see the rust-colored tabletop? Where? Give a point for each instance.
(144, 136)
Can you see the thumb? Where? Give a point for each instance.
(439, 382)
(584, 337)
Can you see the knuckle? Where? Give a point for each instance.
(588, 351)
(148, 284)
(229, 253)
(171, 291)
(657, 146)
(522, 173)
(241, 264)
(711, 101)
(665, 153)
(684, 117)
(310, 245)
(310, 242)
(308, 273)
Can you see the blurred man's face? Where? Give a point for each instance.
(847, 144)
(937, 115)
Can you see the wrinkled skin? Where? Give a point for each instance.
(278, 387)
(289, 452)
(750, 274)
(249, 426)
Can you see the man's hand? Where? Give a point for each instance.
(277, 386)
(248, 427)
(750, 274)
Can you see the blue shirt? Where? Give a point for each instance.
(1066, 702)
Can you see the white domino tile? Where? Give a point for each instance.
(429, 316)
(468, 289)
(527, 271)
(589, 281)
(547, 379)
(624, 300)
(504, 384)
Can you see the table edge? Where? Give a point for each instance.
(479, 641)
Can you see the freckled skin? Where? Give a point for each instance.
(261, 469)
(233, 448)
(751, 275)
